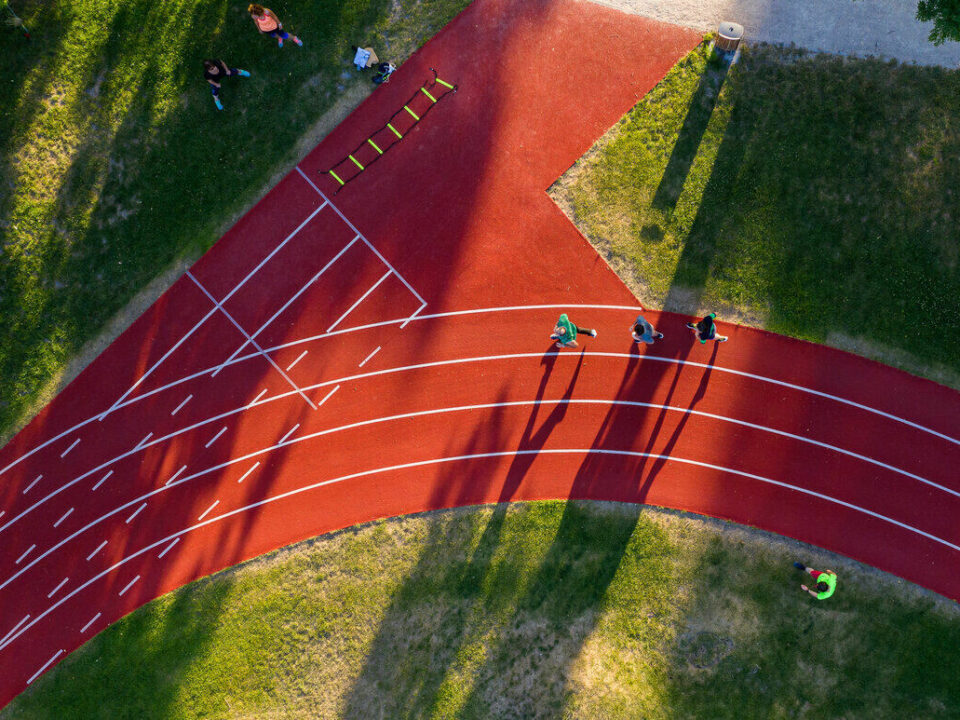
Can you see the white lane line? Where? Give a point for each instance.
(368, 243)
(460, 458)
(15, 628)
(100, 482)
(99, 548)
(168, 548)
(176, 474)
(153, 367)
(187, 399)
(244, 476)
(54, 591)
(135, 513)
(415, 313)
(484, 406)
(90, 622)
(207, 511)
(47, 664)
(287, 304)
(290, 432)
(205, 317)
(327, 396)
(475, 311)
(29, 487)
(253, 342)
(262, 393)
(2, 513)
(362, 298)
(26, 552)
(299, 358)
(64, 517)
(129, 585)
(367, 358)
(214, 438)
(72, 446)
(140, 444)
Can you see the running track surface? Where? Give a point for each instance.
(335, 359)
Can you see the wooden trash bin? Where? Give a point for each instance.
(729, 35)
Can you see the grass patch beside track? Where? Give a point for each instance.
(813, 195)
(550, 609)
(115, 165)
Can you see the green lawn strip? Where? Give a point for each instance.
(812, 195)
(548, 609)
(114, 163)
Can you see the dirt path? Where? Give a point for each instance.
(884, 28)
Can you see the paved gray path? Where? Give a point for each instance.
(881, 28)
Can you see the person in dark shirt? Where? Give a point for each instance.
(214, 71)
(706, 329)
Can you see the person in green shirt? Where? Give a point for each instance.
(565, 332)
(826, 581)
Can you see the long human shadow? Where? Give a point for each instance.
(685, 149)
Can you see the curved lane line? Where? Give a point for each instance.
(459, 408)
(458, 458)
(434, 316)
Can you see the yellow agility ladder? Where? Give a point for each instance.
(397, 127)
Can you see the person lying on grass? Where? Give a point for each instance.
(214, 71)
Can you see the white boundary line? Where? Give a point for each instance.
(385, 371)
(438, 411)
(362, 298)
(456, 313)
(461, 458)
(287, 304)
(251, 340)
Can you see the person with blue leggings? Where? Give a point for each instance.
(214, 71)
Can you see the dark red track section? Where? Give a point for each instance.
(408, 398)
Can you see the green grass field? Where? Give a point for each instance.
(812, 195)
(539, 610)
(114, 163)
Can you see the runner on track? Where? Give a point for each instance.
(643, 331)
(565, 332)
(269, 24)
(826, 581)
(706, 329)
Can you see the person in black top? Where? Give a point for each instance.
(214, 71)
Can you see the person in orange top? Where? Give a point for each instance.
(269, 24)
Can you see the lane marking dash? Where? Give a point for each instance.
(29, 487)
(244, 476)
(15, 628)
(289, 433)
(65, 516)
(27, 552)
(90, 622)
(369, 356)
(327, 396)
(176, 475)
(135, 513)
(47, 664)
(129, 585)
(168, 548)
(207, 511)
(102, 480)
(140, 444)
(185, 401)
(64, 453)
(99, 548)
(54, 591)
(262, 393)
(214, 438)
(299, 358)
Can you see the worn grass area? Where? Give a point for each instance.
(114, 162)
(812, 195)
(579, 610)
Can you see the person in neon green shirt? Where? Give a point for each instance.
(826, 581)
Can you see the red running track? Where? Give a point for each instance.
(335, 359)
